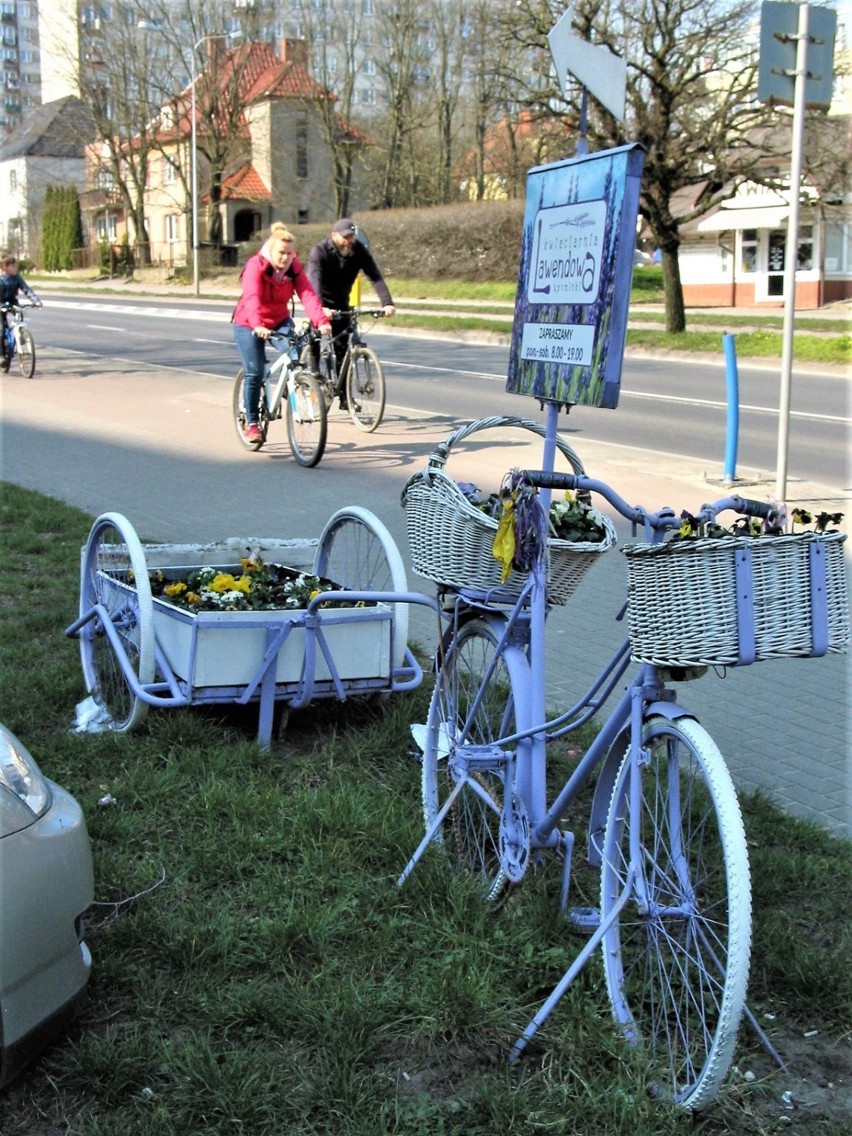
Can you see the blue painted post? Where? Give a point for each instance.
(733, 388)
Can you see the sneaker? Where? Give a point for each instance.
(344, 405)
(253, 433)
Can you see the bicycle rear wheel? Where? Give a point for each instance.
(26, 352)
(365, 388)
(676, 958)
(473, 704)
(307, 418)
(115, 575)
(238, 403)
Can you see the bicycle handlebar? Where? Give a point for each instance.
(376, 313)
(663, 519)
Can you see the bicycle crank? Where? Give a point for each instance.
(514, 839)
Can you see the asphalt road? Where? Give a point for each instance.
(668, 406)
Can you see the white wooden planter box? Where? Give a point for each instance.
(226, 648)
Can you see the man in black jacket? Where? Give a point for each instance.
(333, 267)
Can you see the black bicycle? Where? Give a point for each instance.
(360, 380)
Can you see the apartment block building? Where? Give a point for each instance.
(21, 70)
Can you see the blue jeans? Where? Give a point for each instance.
(253, 354)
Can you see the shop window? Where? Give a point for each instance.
(748, 250)
(838, 248)
(805, 255)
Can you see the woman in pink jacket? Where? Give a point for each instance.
(269, 280)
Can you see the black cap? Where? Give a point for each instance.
(345, 226)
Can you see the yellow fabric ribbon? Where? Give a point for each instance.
(503, 548)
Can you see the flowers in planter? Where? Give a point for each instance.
(256, 587)
(522, 532)
(571, 518)
(691, 528)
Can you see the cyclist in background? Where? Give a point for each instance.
(268, 280)
(11, 283)
(333, 267)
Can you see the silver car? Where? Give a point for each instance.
(46, 885)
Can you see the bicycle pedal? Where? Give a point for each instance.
(584, 918)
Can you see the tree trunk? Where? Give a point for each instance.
(673, 289)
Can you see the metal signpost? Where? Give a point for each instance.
(796, 58)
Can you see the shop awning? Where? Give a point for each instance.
(758, 217)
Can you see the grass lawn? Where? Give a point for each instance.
(257, 970)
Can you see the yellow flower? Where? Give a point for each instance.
(249, 565)
(192, 598)
(225, 582)
(175, 589)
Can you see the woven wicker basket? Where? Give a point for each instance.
(451, 540)
(724, 602)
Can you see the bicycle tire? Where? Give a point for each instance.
(26, 352)
(676, 958)
(307, 419)
(238, 405)
(470, 832)
(115, 575)
(365, 388)
(356, 550)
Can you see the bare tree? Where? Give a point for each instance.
(402, 66)
(208, 48)
(334, 31)
(113, 81)
(450, 30)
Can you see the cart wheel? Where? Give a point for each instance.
(115, 575)
(357, 551)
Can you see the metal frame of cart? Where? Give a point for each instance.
(139, 651)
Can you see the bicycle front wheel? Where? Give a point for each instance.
(676, 958)
(472, 704)
(307, 418)
(365, 388)
(115, 576)
(238, 404)
(26, 352)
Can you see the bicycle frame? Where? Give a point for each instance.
(277, 374)
(13, 320)
(353, 337)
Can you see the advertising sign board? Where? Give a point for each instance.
(574, 278)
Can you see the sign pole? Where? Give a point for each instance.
(792, 253)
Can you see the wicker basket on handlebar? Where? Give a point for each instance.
(722, 601)
(451, 540)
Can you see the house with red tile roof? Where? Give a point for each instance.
(262, 126)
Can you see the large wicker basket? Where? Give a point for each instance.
(719, 601)
(451, 540)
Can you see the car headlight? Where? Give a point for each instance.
(20, 774)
